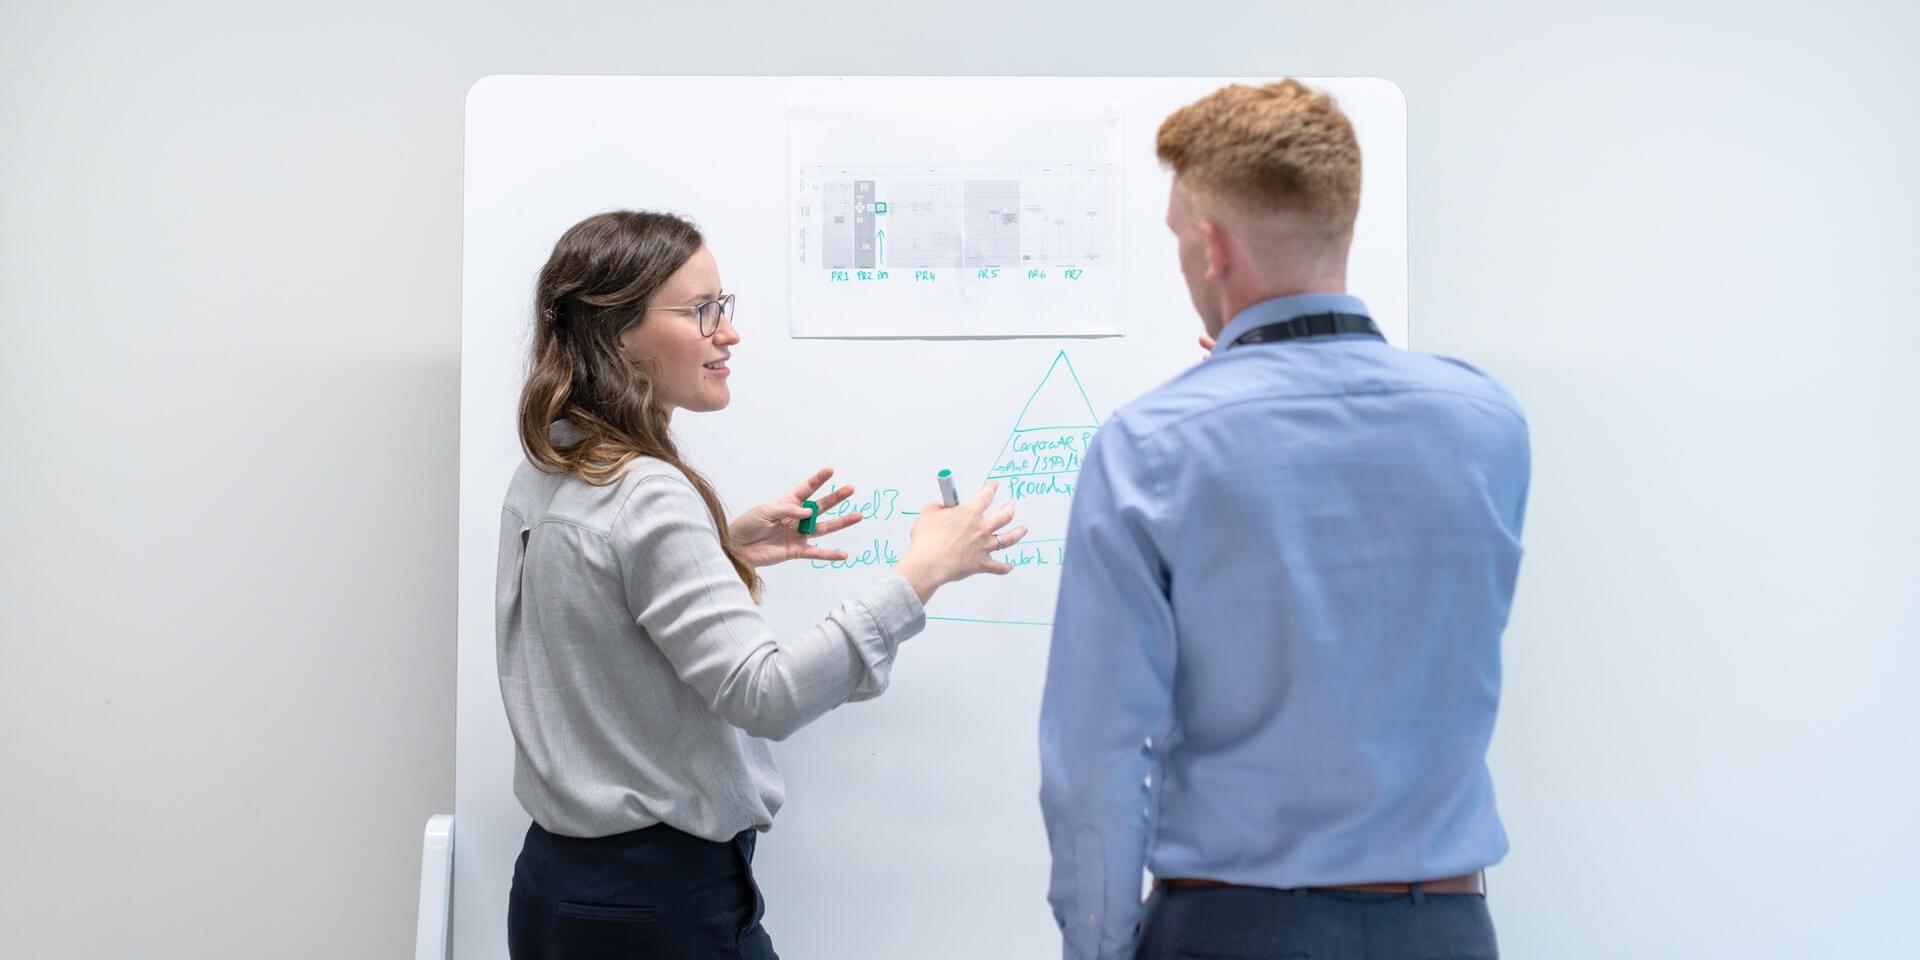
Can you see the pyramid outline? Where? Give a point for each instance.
(1079, 392)
(1000, 462)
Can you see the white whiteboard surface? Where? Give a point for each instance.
(912, 824)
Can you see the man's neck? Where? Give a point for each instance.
(1235, 303)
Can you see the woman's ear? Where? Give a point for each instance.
(629, 345)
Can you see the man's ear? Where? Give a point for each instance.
(1219, 248)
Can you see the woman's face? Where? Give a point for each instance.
(689, 371)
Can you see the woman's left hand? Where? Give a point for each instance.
(770, 533)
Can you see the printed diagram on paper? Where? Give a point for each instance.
(956, 221)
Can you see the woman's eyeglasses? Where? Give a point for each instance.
(709, 314)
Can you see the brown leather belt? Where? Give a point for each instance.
(1465, 883)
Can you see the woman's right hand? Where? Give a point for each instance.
(954, 543)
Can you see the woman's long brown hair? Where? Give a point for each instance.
(596, 284)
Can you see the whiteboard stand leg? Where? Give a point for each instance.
(436, 889)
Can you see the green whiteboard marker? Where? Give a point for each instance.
(947, 494)
(807, 525)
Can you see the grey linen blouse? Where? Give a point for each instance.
(640, 680)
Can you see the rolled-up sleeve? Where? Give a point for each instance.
(1109, 691)
(686, 596)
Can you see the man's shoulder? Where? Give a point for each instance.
(1187, 392)
(1206, 388)
(1255, 384)
(1458, 377)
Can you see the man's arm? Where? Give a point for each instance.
(1109, 689)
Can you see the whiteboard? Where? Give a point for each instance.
(912, 825)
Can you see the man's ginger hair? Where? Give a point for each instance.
(1279, 149)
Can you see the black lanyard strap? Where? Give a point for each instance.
(1312, 325)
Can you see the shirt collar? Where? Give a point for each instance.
(1282, 309)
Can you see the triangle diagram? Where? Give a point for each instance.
(1037, 467)
(1042, 455)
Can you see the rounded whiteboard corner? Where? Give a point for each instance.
(1399, 95)
(477, 90)
(439, 828)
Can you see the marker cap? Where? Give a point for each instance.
(948, 496)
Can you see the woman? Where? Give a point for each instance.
(640, 681)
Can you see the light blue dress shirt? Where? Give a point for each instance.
(1276, 658)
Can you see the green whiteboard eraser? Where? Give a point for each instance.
(807, 525)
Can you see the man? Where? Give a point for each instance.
(1276, 659)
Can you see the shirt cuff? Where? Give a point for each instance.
(895, 609)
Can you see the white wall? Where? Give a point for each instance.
(229, 290)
